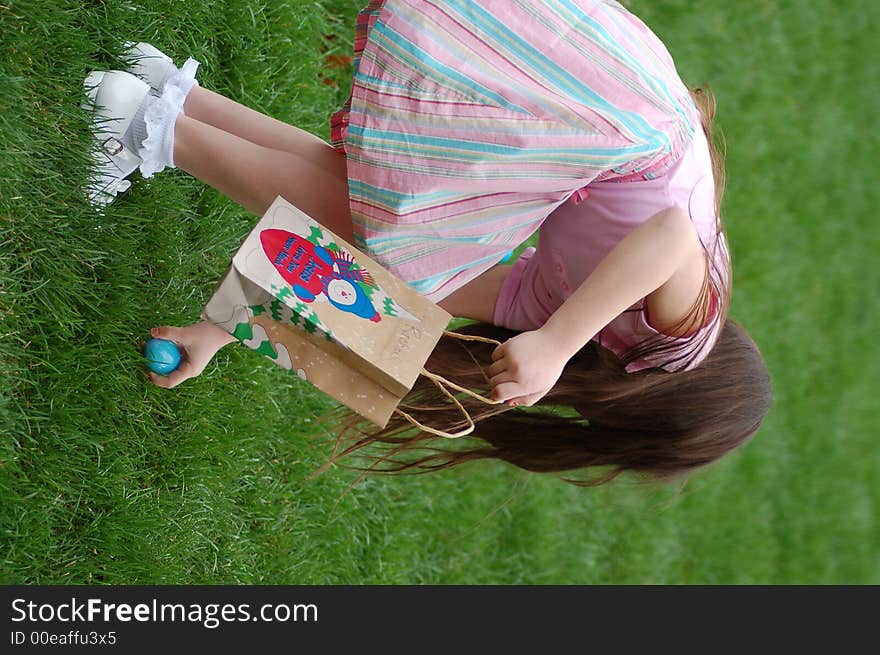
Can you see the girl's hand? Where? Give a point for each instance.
(198, 344)
(525, 368)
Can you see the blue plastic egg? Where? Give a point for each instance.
(162, 356)
(507, 257)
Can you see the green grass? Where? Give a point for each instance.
(105, 478)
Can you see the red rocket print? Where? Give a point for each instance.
(300, 262)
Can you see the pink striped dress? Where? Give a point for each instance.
(470, 122)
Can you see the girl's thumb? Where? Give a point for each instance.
(162, 332)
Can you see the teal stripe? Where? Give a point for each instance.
(408, 140)
(428, 284)
(529, 210)
(615, 49)
(573, 87)
(427, 64)
(484, 124)
(379, 82)
(376, 243)
(364, 190)
(383, 244)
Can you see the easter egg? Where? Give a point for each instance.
(507, 257)
(162, 356)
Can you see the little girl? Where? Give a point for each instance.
(472, 124)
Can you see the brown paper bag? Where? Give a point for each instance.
(326, 312)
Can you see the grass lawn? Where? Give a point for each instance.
(105, 478)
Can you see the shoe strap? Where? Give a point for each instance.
(112, 146)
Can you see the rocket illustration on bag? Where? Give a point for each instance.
(318, 273)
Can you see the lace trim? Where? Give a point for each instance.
(159, 117)
(157, 150)
(185, 78)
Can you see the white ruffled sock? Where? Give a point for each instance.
(157, 148)
(152, 130)
(184, 77)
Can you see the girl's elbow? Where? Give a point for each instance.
(680, 233)
(675, 220)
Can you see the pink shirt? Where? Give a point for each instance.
(581, 232)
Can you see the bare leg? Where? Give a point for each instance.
(226, 114)
(477, 298)
(253, 175)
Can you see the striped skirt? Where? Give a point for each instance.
(470, 121)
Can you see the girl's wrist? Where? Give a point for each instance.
(559, 342)
(218, 336)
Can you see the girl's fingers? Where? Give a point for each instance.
(497, 367)
(526, 401)
(172, 379)
(168, 332)
(506, 391)
(499, 351)
(158, 380)
(502, 377)
(182, 373)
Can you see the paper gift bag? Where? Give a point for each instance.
(323, 310)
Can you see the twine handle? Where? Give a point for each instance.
(441, 433)
(442, 384)
(439, 380)
(470, 337)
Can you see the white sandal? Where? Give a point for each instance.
(114, 97)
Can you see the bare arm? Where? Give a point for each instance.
(661, 260)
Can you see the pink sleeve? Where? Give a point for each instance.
(694, 347)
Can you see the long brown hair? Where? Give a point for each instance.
(597, 417)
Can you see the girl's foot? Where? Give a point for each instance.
(117, 99)
(133, 128)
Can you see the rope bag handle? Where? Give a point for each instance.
(443, 384)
